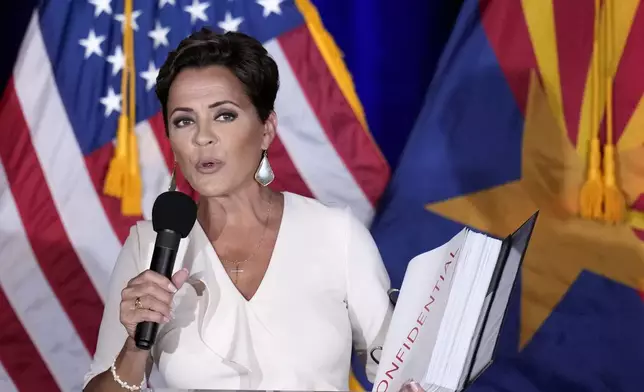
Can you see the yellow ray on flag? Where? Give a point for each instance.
(633, 134)
(540, 18)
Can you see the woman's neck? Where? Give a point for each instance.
(244, 209)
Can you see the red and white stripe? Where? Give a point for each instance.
(60, 236)
(6, 385)
(35, 304)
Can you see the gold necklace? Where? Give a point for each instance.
(236, 269)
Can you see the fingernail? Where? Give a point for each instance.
(165, 319)
(172, 288)
(172, 314)
(185, 269)
(413, 386)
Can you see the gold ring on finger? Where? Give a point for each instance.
(137, 303)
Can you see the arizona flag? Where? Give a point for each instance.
(60, 233)
(510, 125)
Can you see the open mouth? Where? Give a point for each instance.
(208, 166)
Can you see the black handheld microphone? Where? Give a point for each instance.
(173, 216)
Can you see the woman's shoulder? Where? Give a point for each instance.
(331, 219)
(142, 231)
(304, 207)
(139, 239)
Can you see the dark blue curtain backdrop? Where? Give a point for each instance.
(14, 18)
(390, 49)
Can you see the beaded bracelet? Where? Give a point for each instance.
(122, 383)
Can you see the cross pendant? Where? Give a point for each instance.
(236, 271)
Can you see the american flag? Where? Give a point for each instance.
(60, 234)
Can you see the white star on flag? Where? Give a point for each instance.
(121, 18)
(270, 6)
(117, 60)
(164, 2)
(229, 23)
(92, 44)
(197, 11)
(159, 35)
(150, 76)
(101, 6)
(111, 101)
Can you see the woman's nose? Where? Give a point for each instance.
(205, 135)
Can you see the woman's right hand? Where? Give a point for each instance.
(148, 297)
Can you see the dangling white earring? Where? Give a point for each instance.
(264, 174)
(173, 180)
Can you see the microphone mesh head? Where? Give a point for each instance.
(174, 211)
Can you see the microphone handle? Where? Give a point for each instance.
(163, 257)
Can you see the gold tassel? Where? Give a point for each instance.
(614, 201)
(113, 185)
(115, 178)
(131, 200)
(592, 192)
(123, 178)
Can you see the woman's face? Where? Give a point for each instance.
(214, 130)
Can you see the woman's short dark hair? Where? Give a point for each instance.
(243, 55)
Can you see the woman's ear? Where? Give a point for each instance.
(270, 130)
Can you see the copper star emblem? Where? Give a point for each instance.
(562, 244)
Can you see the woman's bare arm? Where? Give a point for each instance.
(131, 366)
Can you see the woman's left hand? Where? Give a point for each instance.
(411, 386)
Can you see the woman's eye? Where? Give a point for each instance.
(226, 117)
(182, 122)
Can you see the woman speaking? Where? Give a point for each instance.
(271, 290)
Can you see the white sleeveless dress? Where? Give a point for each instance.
(325, 291)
